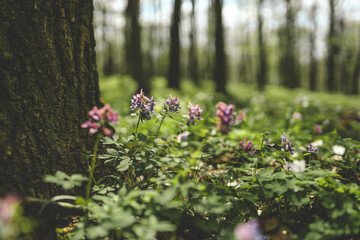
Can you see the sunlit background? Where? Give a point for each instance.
(296, 31)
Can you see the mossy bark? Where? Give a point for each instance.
(48, 83)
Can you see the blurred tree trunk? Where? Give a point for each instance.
(193, 57)
(133, 45)
(262, 68)
(108, 63)
(174, 68)
(312, 42)
(220, 64)
(289, 72)
(333, 48)
(356, 74)
(48, 83)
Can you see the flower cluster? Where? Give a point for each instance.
(249, 231)
(172, 104)
(311, 148)
(225, 113)
(194, 113)
(144, 105)
(248, 147)
(99, 119)
(286, 143)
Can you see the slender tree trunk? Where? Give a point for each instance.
(193, 59)
(312, 40)
(332, 49)
(48, 83)
(262, 69)
(133, 45)
(356, 74)
(289, 73)
(174, 68)
(220, 59)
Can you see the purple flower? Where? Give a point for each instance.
(248, 231)
(194, 113)
(182, 136)
(318, 129)
(226, 115)
(287, 166)
(286, 143)
(99, 118)
(248, 147)
(312, 149)
(172, 105)
(137, 101)
(144, 105)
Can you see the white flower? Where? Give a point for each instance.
(317, 143)
(298, 166)
(339, 150)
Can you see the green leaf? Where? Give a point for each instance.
(124, 165)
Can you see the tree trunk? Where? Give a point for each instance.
(332, 49)
(356, 74)
(174, 68)
(312, 39)
(289, 72)
(262, 69)
(133, 45)
(220, 64)
(48, 83)
(193, 59)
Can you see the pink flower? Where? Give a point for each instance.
(8, 206)
(226, 115)
(248, 231)
(297, 116)
(99, 118)
(182, 136)
(318, 129)
(248, 147)
(194, 113)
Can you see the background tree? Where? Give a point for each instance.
(333, 48)
(262, 68)
(133, 50)
(356, 73)
(288, 65)
(312, 42)
(174, 67)
(220, 59)
(48, 83)
(193, 59)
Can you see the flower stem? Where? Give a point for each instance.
(137, 125)
(161, 123)
(92, 166)
(258, 159)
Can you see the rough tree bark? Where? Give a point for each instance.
(174, 67)
(220, 59)
(48, 83)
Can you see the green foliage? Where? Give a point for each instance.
(205, 185)
(65, 181)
